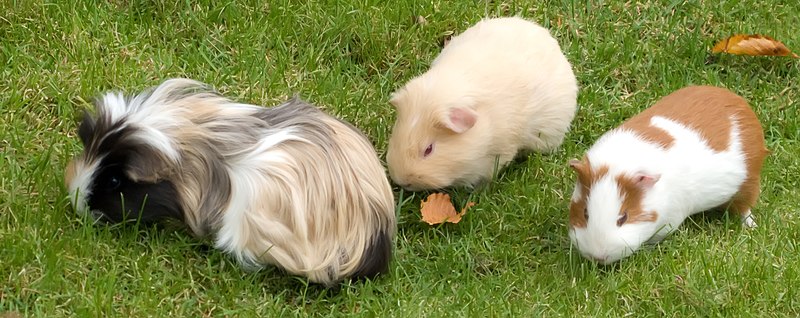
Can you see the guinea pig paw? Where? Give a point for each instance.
(748, 221)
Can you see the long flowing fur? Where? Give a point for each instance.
(287, 185)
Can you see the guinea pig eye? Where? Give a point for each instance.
(114, 182)
(428, 151)
(622, 219)
(586, 213)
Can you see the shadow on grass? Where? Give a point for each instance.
(214, 267)
(752, 67)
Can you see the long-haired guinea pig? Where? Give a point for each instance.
(696, 149)
(289, 185)
(500, 88)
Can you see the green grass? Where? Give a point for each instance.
(510, 256)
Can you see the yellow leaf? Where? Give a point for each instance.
(752, 44)
(437, 209)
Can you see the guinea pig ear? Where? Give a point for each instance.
(582, 168)
(576, 165)
(87, 128)
(460, 119)
(644, 180)
(395, 100)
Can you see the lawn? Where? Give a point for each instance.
(509, 256)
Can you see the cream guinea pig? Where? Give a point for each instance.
(500, 87)
(696, 149)
(289, 185)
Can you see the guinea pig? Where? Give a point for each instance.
(696, 149)
(501, 88)
(288, 186)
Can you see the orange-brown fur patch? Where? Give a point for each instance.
(708, 110)
(704, 109)
(586, 177)
(632, 196)
(576, 217)
(641, 126)
(755, 150)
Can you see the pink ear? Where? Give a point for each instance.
(645, 181)
(576, 164)
(395, 100)
(460, 119)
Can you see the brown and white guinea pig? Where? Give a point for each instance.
(501, 87)
(289, 185)
(696, 149)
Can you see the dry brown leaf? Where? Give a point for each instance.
(752, 44)
(437, 209)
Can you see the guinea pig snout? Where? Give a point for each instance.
(95, 215)
(413, 182)
(410, 186)
(407, 186)
(408, 181)
(598, 254)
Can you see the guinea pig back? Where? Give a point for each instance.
(288, 185)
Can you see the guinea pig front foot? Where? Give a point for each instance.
(748, 221)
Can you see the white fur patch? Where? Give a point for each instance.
(577, 193)
(115, 106)
(247, 181)
(153, 115)
(79, 189)
(748, 221)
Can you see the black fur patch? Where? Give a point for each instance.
(376, 259)
(120, 198)
(86, 130)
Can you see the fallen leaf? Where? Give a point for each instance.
(752, 44)
(437, 209)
